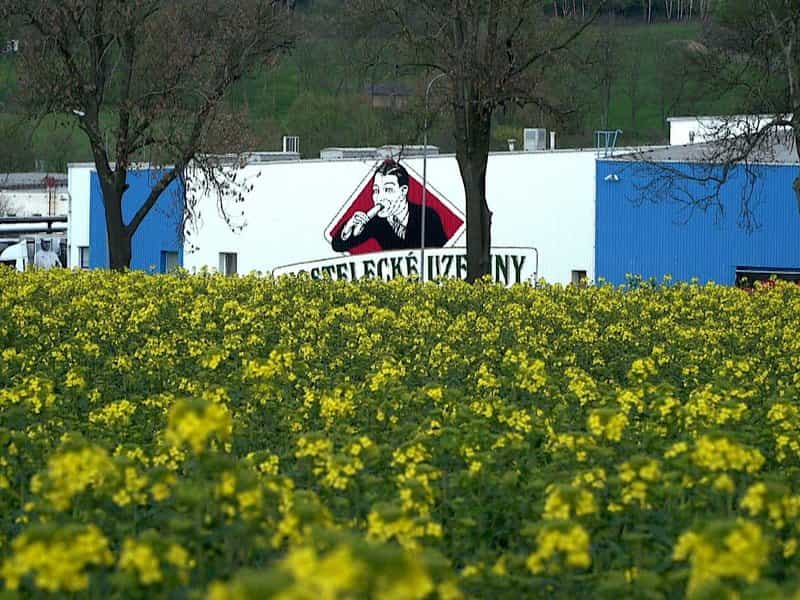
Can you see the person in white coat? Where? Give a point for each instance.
(45, 257)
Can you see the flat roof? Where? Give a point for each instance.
(716, 117)
(779, 153)
(31, 180)
(616, 153)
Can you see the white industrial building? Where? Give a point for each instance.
(697, 130)
(79, 181)
(33, 194)
(540, 200)
(543, 202)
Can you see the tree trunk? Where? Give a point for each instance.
(117, 236)
(119, 251)
(473, 129)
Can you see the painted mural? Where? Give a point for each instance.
(385, 213)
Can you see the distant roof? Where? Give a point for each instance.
(31, 181)
(731, 118)
(389, 151)
(262, 157)
(780, 153)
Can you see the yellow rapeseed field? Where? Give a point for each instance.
(236, 438)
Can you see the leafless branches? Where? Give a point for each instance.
(753, 51)
(146, 80)
(494, 53)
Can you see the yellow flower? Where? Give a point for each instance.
(114, 414)
(195, 423)
(582, 385)
(160, 491)
(737, 551)
(753, 499)
(531, 375)
(564, 502)
(71, 472)
(780, 506)
(608, 424)
(336, 405)
(139, 558)
(724, 483)
(270, 465)
(636, 476)
(59, 563)
(721, 454)
(132, 491)
(572, 544)
(676, 449)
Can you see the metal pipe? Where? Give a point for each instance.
(10, 233)
(425, 179)
(33, 219)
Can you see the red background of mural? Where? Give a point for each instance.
(451, 222)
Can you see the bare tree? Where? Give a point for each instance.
(705, 8)
(146, 80)
(752, 53)
(674, 81)
(491, 53)
(762, 60)
(695, 184)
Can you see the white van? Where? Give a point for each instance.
(14, 253)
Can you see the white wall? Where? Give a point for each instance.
(26, 203)
(542, 199)
(695, 130)
(79, 176)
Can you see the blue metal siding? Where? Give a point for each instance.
(637, 236)
(159, 231)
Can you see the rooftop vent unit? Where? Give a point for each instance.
(534, 139)
(291, 143)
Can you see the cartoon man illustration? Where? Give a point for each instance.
(393, 221)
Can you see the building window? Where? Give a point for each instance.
(227, 263)
(579, 278)
(83, 257)
(169, 261)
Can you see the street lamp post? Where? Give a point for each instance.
(425, 178)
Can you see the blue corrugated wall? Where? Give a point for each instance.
(637, 236)
(159, 231)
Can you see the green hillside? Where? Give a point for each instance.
(619, 76)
